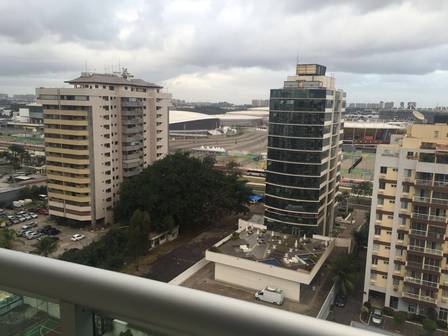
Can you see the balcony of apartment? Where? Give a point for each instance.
(68, 197)
(421, 282)
(81, 171)
(134, 103)
(132, 121)
(67, 150)
(76, 113)
(425, 217)
(67, 160)
(419, 297)
(423, 182)
(66, 131)
(425, 250)
(77, 188)
(79, 180)
(67, 141)
(65, 122)
(78, 295)
(131, 130)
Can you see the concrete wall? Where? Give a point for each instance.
(256, 281)
(325, 308)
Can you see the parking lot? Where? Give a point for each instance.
(30, 229)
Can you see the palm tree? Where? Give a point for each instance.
(46, 246)
(343, 269)
(8, 237)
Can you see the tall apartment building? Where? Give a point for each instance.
(304, 152)
(104, 129)
(407, 253)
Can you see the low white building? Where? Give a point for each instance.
(253, 257)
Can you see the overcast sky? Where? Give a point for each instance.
(231, 50)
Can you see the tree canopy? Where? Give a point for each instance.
(184, 191)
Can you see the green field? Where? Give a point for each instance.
(364, 170)
(49, 327)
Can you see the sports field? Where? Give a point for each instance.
(49, 327)
(364, 170)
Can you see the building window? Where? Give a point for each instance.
(398, 252)
(383, 170)
(377, 231)
(412, 308)
(443, 314)
(405, 188)
(396, 281)
(402, 220)
(379, 216)
(404, 204)
(394, 302)
(380, 201)
(400, 236)
(382, 185)
(374, 260)
(376, 247)
(407, 173)
(397, 267)
(372, 276)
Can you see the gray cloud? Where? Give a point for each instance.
(167, 40)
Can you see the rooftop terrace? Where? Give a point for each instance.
(274, 249)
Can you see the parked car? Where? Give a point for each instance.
(20, 213)
(15, 221)
(77, 237)
(340, 300)
(377, 317)
(272, 295)
(33, 215)
(43, 211)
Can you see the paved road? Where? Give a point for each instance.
(170, 265)
(250, 140)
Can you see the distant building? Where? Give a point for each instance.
(402, 105)
(107, 128)
(381, 105)
(4, 96)
(407, 248)
(304, 152)
(362, 132)
(260, 102)
(389, 105)
(24, 97)
(412, 105)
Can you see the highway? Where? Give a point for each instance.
(251, 140)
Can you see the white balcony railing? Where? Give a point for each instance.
(422, 199)
(416, 232)
(423, 182)
(425, 250)
(151, 306)
(419, 297)
(433, 268)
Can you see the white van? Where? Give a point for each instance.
(272, 295)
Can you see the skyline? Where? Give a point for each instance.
(207, 51)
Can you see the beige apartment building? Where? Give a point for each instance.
(104, 129)
(406, 266)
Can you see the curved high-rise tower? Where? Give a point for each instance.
(304, 152)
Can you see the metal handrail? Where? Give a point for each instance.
(423, 182)
(153, 305)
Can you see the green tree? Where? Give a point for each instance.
(400, 317)
(363, 188)
(138, 234)
(343, 269)
(46, 246)
(430, 326)
(189, 190)
(8, 237)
